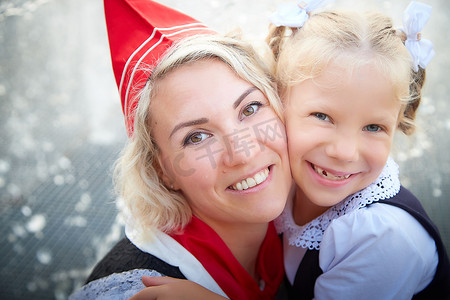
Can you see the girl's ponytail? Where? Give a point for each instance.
(415, 90)
(275, 39)
(415, 17)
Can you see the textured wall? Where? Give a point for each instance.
(62, 129)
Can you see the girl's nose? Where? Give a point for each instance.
(343, 147)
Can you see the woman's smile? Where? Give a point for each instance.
(252, 181)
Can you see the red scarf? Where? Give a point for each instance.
(206, 245)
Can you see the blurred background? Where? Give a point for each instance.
(62, 128)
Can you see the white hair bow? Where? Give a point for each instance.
(415, 17)
(295, 14)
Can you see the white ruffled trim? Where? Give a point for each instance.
(310, 235)
(117, 286)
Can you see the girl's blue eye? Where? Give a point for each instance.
(195, 138)
(321, 116)
(372, 128)
(251, 109)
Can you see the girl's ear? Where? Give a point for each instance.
(166, 174)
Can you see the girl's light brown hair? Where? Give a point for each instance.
(354, 39)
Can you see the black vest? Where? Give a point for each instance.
(125, 256)
(439, 288)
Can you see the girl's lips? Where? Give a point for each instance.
(330, 175)
(253, 181)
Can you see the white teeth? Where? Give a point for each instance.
(251, 181)
(244, 185)
(238, 186)
(258, 179)
(329, 176)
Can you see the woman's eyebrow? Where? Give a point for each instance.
(206, 120)
(189, 123)
(244, 94)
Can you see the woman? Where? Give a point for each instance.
(206, 167)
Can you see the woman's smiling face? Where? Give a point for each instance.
(221, 145)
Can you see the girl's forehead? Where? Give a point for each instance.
(334, 74)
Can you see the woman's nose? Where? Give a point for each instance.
(240, 147)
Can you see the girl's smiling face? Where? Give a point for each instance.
(221, 145)
(340, 128)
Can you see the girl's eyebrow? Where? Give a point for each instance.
(242, 97)
(189, 123)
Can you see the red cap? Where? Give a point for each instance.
(139, 33)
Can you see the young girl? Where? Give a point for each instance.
(348, 83)
(352, 231)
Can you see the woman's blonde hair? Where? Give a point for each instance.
(147, 201)
(353, 39)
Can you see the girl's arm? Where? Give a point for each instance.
(171, 288)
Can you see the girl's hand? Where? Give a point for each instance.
(163, 288)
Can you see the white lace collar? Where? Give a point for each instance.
(310, 235)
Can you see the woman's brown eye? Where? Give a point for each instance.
(249, 110)
(196, 138)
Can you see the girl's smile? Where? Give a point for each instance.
(331, 174)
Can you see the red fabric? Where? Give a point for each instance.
(134, 24)
(204, 243)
